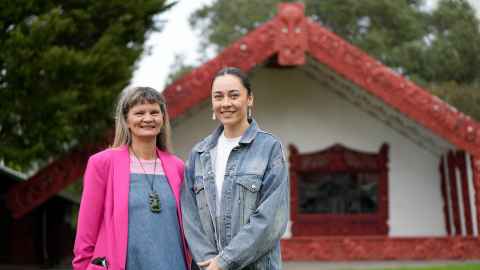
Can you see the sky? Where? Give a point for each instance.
(178, 38)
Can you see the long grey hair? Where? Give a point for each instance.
(140, 95)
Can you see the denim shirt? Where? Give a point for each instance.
(255, 202)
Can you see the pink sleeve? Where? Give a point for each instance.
(181, 169)
(90, 216)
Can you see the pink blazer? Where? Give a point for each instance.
(102, 229)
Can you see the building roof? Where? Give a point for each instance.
(287, 39)
(290, 37)
(12, 174)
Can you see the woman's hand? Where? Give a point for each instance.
(210, 264)
(206, 263)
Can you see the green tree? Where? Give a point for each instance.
(62, 64)
(374, 25)
(438, 49)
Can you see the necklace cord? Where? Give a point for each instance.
(144, 171)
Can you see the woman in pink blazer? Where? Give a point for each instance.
(130, 216)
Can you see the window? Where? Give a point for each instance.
(339, 191)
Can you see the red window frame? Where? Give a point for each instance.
(334, 159)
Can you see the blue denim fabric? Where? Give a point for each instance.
(255, 202)
(154, 241)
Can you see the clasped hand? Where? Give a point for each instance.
(210, 264)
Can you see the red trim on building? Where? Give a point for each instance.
(454, 193)
(336, 159)
(475, 162)
(377, 248)
(288, 37)
(25, 196)
(446, 211)
(462, 167)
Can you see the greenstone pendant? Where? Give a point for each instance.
(154, 202)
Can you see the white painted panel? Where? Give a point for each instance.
(449, 195)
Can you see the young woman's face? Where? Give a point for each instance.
(145, 121)
(230, 100)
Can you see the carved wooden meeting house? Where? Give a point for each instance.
(380, 169)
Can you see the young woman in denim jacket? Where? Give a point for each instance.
(235, 197)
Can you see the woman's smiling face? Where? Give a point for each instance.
(230, 100)
(144, 120)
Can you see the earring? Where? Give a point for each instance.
(249, 112)
(213, 116)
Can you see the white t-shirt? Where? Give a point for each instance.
(224, 147)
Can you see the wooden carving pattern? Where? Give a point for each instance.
(339, 159)
(291, 34)
(25, 196)
(460, 164)
(246, 53)
(454, 193)
(379, 248)
(475, 160)
(415, 102)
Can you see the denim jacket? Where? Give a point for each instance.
(255, 202)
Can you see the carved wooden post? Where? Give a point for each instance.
(476, 185)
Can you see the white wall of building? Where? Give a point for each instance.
(301, 111)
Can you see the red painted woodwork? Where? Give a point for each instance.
(408, 98)
(460, 163)
(475, 162)
(376, 248)
(291, 34)
(457, 161)
(284, 36)
(339, 159)
(446, 211)
(454, 193)
(287, 38)
(25, 196)
(247, 52)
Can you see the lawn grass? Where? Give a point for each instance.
(445, 267)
